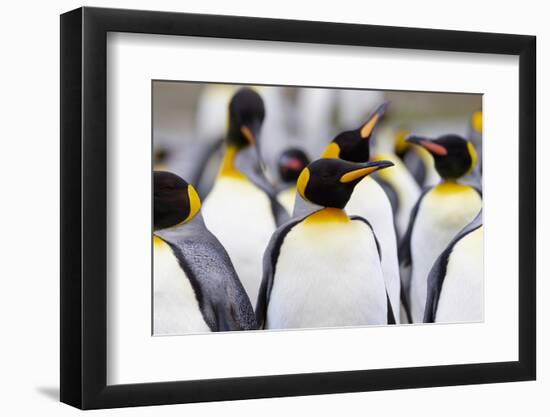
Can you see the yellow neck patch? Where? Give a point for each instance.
(451, 187)
(327, 215)
(227, 168)
(332, 151)
(158, 242)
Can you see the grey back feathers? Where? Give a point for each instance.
(222, 299)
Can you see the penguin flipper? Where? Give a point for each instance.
(271, 255)
(390, 192)
(362, 219)
(439, 269)
(405, 257)
(404, 250)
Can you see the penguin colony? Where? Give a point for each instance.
(381, 227)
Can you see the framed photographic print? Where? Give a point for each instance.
(258, 208)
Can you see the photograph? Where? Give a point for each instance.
(299, 207)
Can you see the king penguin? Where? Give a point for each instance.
(369, 200)
(440, 213)
(291, 163)
(241, 210)
(401, 187)
(196, 288)
(455, 282)
(324, 270)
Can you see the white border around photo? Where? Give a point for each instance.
(135, 356)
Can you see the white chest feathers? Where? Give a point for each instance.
(327, 274)
(461, 298)
(443, 212)
(175, 305)
(371, 202)
(239, 215)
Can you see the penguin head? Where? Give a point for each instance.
(291, 163)
(454, 156)
(353, 145)
(174, 200)
(330, 182)
(246, 115)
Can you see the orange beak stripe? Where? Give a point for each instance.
(367, 129)
(434, 148)
(248, 135)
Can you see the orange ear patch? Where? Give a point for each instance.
(331, 151)
(434, 148)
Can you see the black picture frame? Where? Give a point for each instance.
(84, 207)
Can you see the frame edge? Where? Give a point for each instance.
(70, 212)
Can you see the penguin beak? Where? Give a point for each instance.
(293, 164)
(251, 132)
(248, 135)
(432, 147)
(364, 170)
(368, 127)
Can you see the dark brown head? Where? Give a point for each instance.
(330, 182)
(174, 200)
(354, 145)
(454, 156)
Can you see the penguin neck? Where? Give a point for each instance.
(327, 215)
(180, 231)
(158, 242)
(228, 168)
(450, 186)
